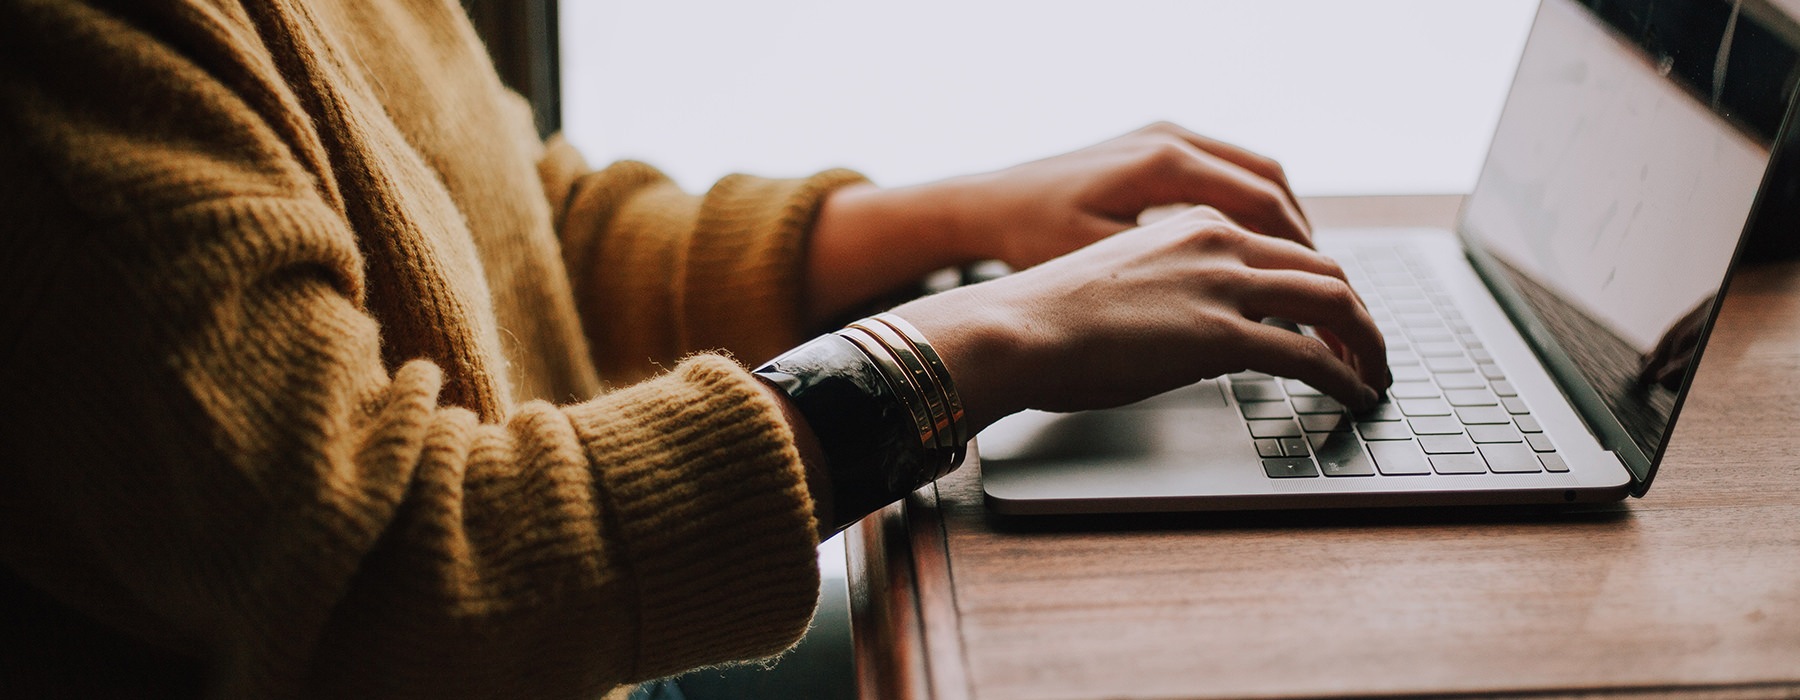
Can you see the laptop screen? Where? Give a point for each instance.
(1621, 177)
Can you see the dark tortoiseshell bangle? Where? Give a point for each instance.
(872, 448)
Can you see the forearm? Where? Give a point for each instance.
(869, 242)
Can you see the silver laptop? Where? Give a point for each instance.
(1541, 351)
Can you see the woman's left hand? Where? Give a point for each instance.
(1043, 209)
(869, 240)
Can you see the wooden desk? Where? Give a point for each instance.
(1692, 591)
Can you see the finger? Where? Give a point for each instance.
(1330, 306)
(1287, 354)
(1266, 253)
(1248, 198)
(1257, 163)
(1338, 348)
(1160, 212)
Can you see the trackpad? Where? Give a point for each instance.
(1164, 446)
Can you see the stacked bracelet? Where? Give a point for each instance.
(908, 360)
(881, 402)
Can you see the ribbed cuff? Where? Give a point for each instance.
(746, 268)
(702, 485)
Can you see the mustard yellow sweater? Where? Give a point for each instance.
(304, 333)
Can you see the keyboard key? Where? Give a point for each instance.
(1401, 358)
(1341, 454)
(1274, 428)
(1453, 464)
(1449, 364)
(1296, 387)
(1289, 467)
(1269, 448)
(1424, 407)
(1553, 463)
(1446, 444)
(1494, 433)
(1413, 390)
(1514, 405)
(1317, 404)
(1399, 458)
(1461, 380)
(1325, 422)
(1249, 375)
(1481, 355)
(1471, 397)
(1475, 415)
(1439, 349)
(1528, 424)
(1256, 391)
(1505, 388)
(1490, 370)
(1511, 459)
(1418, 320)
(1386, 410)
(1429, 335)
(1294, 447)
(1539, 442)
(1436, 425)
(1428, 330)
(1266, 409)
(1386, 430)
(1413, 373)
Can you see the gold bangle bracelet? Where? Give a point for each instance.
(896, 376)
(918, 374)
(952, 400)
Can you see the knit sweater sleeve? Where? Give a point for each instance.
(206, 451)
(659, 273)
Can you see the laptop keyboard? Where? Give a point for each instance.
(1451, 409)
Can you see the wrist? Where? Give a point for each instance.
(870, 242)
(983, 345)
(874, 443)
(961, 211)
(943, 219)
(812, 457)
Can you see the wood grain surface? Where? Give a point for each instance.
(1693, 591)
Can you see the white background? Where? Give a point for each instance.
(1354, 97)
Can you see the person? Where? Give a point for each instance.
(330, 379)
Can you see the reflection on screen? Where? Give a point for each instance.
(1615, 194)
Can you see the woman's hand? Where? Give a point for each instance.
(870, 241)
(1149, 310)
(1030, 213)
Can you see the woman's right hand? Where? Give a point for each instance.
(1149, 310)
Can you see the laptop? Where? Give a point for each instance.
(1541, 350)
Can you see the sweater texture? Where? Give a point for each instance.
(304, 338)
